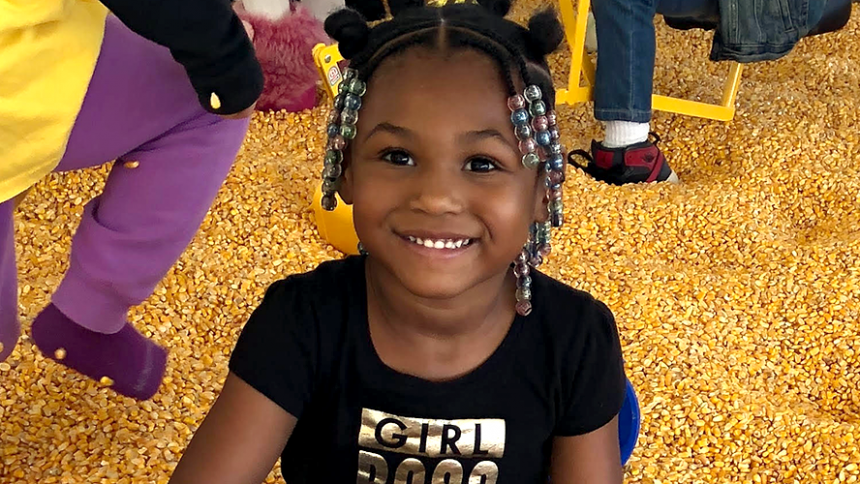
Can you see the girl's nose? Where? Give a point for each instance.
(436, 192)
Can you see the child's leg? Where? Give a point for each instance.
(9, 328)
(623, 87)
(625, 63)
(173, 159)
(625, 68)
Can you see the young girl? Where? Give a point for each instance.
(79, 88)
(438, 356)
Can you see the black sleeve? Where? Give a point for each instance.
(594, 375)
(208, 39)
(277, 350)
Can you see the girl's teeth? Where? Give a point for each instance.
(439, 244)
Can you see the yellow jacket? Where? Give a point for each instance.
(48, 51)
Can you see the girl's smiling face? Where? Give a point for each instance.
(440, 196)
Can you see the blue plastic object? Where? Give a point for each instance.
(628, 423)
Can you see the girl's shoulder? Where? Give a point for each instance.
(564, 298)
(295, 334)
(580, 341)
(327, 280)
(320, 297)
(569, 312)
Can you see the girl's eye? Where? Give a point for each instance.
(397, 157)
(481, 165)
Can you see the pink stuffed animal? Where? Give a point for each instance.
(284, 33)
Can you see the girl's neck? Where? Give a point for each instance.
(437, 339)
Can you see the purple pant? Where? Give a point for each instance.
(140, 107)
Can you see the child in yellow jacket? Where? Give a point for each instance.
(165, 88)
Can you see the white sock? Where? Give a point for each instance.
(272, 10)
(625, 133)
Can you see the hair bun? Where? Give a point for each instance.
(397, 6)
(371, 10)
(546, 32)
(497, 7)
(349, 29)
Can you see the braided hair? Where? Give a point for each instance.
(520, 54)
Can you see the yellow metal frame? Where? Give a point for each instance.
(581, 67)
(326, 58)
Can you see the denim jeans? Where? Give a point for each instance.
(626, 50)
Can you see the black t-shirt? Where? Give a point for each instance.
(558, 372)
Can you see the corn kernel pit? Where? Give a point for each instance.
(737, 293)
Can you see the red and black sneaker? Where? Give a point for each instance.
(642, 162)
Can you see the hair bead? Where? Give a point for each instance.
(347, 131)
(328, 202)
(524, 308)
(349, 116)
(520, 117)
(340, 130)
(521, 269)
(516, 102)
(524, 293)
(351, 101)
(357, 87)
(531, 160)
(543, 138)
(545, 249)
(333, 157)
(332, 171)
(330, 185)
(337, 142)
(540, 123)
(519, 260)
(533, 93)
(537, 108)
(527, 146)
(522, 132)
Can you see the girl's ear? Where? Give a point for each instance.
(345, 190)
(541, 211)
